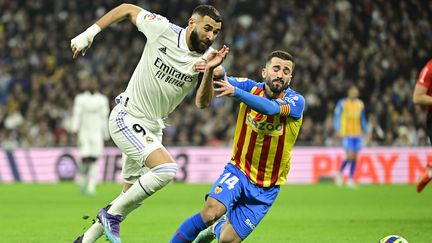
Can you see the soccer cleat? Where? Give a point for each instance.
(79, 239)
(111, 225)
(208, 235)
(424, 179)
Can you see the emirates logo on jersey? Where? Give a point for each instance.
(169, 74)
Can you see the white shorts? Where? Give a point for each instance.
(90, 146)
(134, 140)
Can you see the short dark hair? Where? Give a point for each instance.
(208, 10)
(280, 54)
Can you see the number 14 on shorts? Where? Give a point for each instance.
(231, 181)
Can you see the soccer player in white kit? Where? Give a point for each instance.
(167, 71)
(89, 121)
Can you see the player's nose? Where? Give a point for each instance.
(210, 36)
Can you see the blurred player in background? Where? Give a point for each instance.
(90, 121)
(167, 71)
(268, 123)
(350, 124)
(423, 96)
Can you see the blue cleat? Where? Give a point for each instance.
(111, 225)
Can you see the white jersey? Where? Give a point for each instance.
(165, 73)
(90, 116)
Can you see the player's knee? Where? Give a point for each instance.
(165, 173)
(211, 214)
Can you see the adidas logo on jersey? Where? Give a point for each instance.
(163, 50)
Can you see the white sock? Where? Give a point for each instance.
(92, 176)
(83, 181)
(93, 233)
(96, 230)
(144, 187)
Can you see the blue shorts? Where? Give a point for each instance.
(246, 203)
(352, 144)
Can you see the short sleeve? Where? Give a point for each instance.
(151, 25)
(425, 76)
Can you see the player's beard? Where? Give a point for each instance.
(198, 45)
(273, 85)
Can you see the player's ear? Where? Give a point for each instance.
(264, 73)
(191, 22)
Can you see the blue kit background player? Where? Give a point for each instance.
(349, 124)
(268, 123)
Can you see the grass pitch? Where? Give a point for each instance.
(301, 213)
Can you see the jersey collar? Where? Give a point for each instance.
(181, 42)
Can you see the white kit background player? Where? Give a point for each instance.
(90, 122)
(167, 71)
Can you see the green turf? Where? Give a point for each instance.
(319, 213)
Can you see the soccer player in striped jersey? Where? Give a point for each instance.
(169, 69)
(268, 124)
(423, 96)
(350, 123)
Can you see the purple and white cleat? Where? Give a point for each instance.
(111, 225)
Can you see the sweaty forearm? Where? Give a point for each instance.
(422, 99)
(205, 90)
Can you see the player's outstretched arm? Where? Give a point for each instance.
(83, 41)
(420, 96)
(205, 90)
(261, 104)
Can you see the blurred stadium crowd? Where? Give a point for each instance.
(378, 45)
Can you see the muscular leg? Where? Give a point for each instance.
(191, 227)
(162, 171)
(228, 234)
(212, 211)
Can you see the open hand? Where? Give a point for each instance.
(224, 87)
(215, 58)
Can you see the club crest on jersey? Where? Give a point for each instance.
(150, 16)
(218, 190)
(149, 139)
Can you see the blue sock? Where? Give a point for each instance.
(218, 227)
(344, 164)
(352, 169)
(189, 230)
